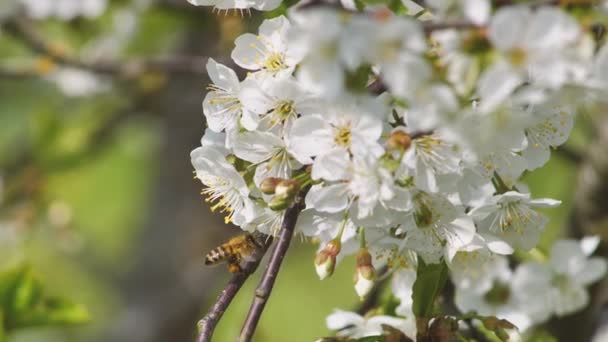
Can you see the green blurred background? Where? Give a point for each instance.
(98, 195)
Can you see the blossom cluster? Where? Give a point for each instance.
(409, 141)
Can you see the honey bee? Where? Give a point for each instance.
(239, 249)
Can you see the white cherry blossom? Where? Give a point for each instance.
(224, 185)
(276, 103)
(342, 127)
(353, 325)
(573, 270)
(437, 229)
(221, 105)
(268, 53)
(511, 217)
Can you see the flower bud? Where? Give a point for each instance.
(287, 188)
(365, 275)
(268, 185)
(324, 264)
(399, 140)
(325, 260)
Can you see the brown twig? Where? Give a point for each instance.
(262, 292)
(209, 322)
(24, 30)
(431, 26)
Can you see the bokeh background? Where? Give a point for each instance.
(98, 115)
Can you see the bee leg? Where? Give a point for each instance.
(234, 264)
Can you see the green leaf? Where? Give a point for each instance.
(8, 282)
(23, 304)
(19, 291)
(55, 311)
(26, 294)
(430, 280)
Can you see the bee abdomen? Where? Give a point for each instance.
(216, 255)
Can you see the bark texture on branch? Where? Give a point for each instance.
(209, 322)
(262, 292)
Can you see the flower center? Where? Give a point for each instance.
(517, 56)
(275, 62)
(343, 136)
(516, 217)
(285, 109)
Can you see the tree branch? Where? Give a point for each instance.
(23, 29)
(431, 26)
(262, 292)
(209, 322)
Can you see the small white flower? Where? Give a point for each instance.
(473, 267)
(510, 217)
(396, 46)
(548, 132)
(353, 325)
(361, 185)
(317, 34)
(267, 152)
(276, 102)
(428, 157)
(534, 47)
(267, 53)
(225, 186)
(342, 127)
(519, 298)
(221, 106)
(430, 107)
(573, 270)
(437, 229)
